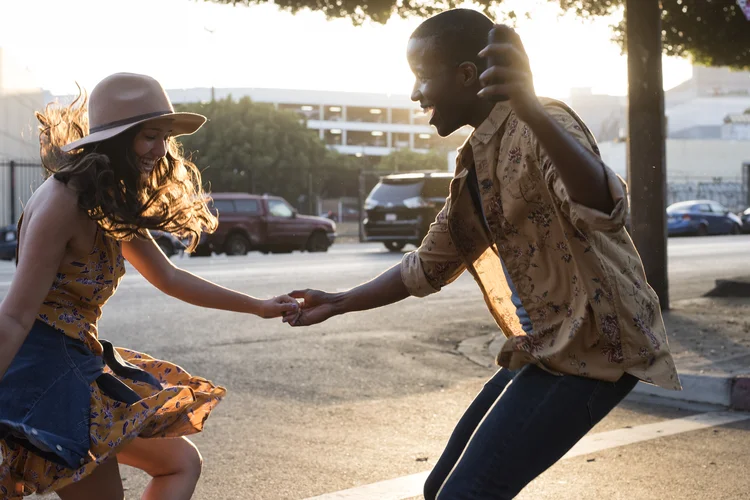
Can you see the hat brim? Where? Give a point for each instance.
(183, 124)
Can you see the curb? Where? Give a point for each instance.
(730, 391)
(741, 393)
(727, 390)
(737, 287)
(696, 388)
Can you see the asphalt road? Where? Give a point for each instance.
(373, 396)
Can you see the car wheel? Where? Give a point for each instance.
(237, 244)
(166, 247)
(736, 229)
(394, 246)
(201, 251)
(702, 230)
(318, 242)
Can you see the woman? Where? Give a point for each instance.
(71, 406)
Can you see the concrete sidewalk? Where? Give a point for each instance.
(710, 341)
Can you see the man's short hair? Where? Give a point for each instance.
(457, 35)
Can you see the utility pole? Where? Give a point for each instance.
(13, 219)
(361, 194)
(310, 208)
(647, 172)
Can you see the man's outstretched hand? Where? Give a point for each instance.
(316, 307)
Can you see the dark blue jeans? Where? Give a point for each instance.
(45, 396)
(516, 428)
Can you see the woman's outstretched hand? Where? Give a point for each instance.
(280, 306)
(316, 307)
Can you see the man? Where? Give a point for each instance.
(537, 218)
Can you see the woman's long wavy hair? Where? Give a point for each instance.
(112, 189)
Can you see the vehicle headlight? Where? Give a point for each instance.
(10, 236)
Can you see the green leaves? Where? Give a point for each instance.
(252, 147)
(406, 160)
(711, 32)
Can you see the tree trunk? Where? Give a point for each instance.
(646, 136)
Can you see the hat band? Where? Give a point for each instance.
(126, 121)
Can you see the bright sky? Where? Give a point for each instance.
(63, 41)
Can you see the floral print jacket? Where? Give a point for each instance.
(575, 269)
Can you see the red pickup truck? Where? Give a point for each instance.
(264, 223)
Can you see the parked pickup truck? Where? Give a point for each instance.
(265, 223)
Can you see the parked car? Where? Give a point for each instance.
(348, 214)
(401, 207)
(745, 221)
(701, 218)
(8, 242)
(265, 223)
(169, 243)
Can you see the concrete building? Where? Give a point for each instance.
(708, 134)
(695, 109)
(605, 115)
(376, 124)
(736, 127)
(689, 160)
(359, 124)
(20, 97)
(373, 125)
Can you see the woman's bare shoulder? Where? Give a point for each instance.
(54, 199)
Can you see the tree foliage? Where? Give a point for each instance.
(406, 160)
(254, 148)
(711, 32)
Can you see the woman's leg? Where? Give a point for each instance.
(104, 482)
(174, 464)
(533, 424)
(464, 429)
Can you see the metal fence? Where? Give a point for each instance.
(731, 194)
(18, 180)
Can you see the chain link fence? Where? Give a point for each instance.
(18, 180)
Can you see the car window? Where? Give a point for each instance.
(389, 191)
(679, 207)
(702, 208)
(683, 206)
(279, 208)
(718, 208)
(247, 206)
(223, 206)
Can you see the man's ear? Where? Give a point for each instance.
(468, 73)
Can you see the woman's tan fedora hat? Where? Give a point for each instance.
(124, 100)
